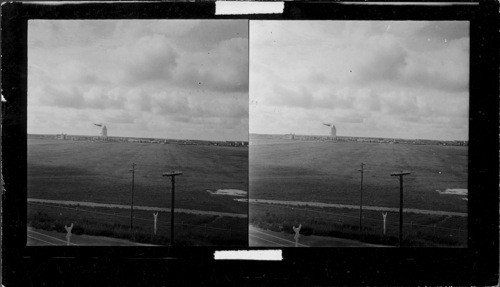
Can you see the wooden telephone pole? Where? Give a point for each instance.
(172, 174)
(400, 174)
(361, 199)
(132, 201)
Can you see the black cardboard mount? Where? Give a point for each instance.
(74, 266)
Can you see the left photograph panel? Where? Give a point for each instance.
(137, 132)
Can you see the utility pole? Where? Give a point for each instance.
(361, 199)
(400, 174)
(172, 174)
(132, 201)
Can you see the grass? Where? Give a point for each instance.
(190, 230)
(418, 229)
(328, 172)
(100, 172)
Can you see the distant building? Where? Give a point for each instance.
(61, 137)
(104, 132)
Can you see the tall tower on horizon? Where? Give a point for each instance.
(333, 132)
(104, 132)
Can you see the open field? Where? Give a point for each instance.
(100, 172)
(327, 172)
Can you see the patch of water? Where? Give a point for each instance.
(454, 191)
(230, 192)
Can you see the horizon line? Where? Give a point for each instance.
(162, 138)
(347, 136)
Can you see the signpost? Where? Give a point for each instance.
(172, 174)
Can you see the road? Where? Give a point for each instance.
(266, 238)
(365, 207)
(147, 208)
(38, 237)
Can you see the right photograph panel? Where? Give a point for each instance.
(358, 133)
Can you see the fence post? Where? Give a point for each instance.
(458, 234)
(411, 227)
(230, 233)
(434, 229)
(206, 230)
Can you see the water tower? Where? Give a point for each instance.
(333, 130)
(104, 132)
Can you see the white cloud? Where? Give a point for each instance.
(141, 77)
(385, 79)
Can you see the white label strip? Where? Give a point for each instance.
(246, 7)
(268, 255)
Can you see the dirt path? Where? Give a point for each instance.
(146, 208)
(374, 208)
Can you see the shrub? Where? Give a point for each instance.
(78, 230)
(306, 230)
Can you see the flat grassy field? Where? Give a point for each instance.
(328, 172)
(100, 172)
(325, 171)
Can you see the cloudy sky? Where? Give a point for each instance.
(375, 79)
(179, 79)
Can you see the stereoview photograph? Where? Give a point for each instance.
(358, 133)
(137, 132)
